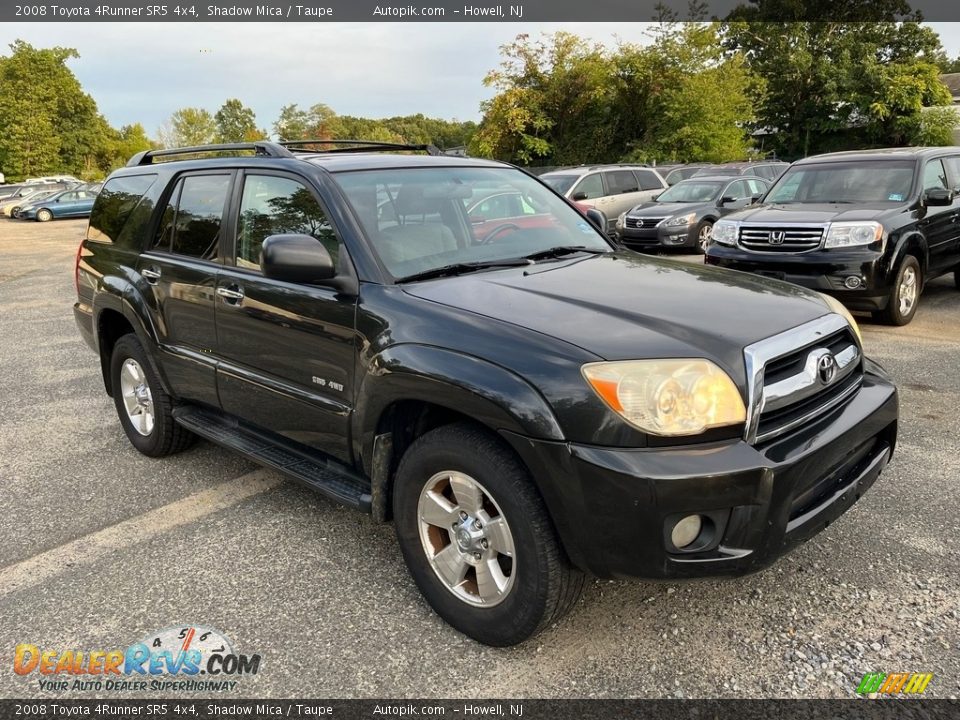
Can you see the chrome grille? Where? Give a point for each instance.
(780, 239)
(799, 375)
(642, 222)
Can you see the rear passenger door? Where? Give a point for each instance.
(286, 350)
(179, 273)
(952, 166)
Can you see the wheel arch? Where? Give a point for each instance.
(913, 243)
(413, 389)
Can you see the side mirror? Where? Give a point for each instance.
(938, 196)
(578, 196)
(656, 197)
(756, 198)
(296, 258)
(726, 200)
(597, 219)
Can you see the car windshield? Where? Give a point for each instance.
(691, 191)
(560, 183)
(717, 170)
(423, 219)
(853, 182)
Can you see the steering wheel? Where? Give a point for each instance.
(503, 227)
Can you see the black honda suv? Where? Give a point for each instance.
(526, 402)
(869, 227)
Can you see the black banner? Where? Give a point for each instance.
(866, 709)
(188, 11)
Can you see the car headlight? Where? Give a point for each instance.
(620, 219)
(838, 307)
(853, 234)
(668, 397)
(725, 232)
(680, 220)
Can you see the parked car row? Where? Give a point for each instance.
(767, 169)
(44, 201)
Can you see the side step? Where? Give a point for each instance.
(310, 467)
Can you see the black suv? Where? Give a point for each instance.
(528, 403)
(868, 227)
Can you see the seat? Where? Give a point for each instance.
(410, 241)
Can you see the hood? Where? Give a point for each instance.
(658, 209)
(622, 306)
(814, 213)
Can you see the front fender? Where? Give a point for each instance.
(489, 393)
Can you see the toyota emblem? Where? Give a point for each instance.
(777, 237)
(827, 368)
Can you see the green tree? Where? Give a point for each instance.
(189, 127)
(235, 122)
(839, 83)
(318, 122)
(47, 122)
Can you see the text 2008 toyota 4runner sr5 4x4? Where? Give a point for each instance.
(527, 403)
(869, 227)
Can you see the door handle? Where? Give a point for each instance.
(232, 294)
(151, 274)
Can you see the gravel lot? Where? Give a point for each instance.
(99, 546)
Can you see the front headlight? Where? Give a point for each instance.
(838, 307)
(853, 234)
(620, 219)
(668, 397)
(680, 220)
(725, 232)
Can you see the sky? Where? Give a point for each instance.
(142, 72)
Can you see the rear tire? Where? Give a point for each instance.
(44, 215)
(477, 538)
(145, 410)
(905, 295)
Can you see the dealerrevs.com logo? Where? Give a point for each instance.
(179, 658)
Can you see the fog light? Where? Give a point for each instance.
(686, 531)
(853, 282)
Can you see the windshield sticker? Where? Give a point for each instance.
(896, 197)
(585, 229)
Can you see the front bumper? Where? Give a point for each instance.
(661, 236)
(823, 270)
(613, 507)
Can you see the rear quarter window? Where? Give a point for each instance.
(122, 210)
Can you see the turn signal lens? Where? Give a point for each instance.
(838, 307)
(668, 397)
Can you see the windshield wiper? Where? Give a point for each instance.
(562, 250)
(462, 267)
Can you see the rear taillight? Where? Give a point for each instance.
(76, 268)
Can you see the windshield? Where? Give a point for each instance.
(691, 191)
(860, 182)
(421, 219)
(717, 170)
(560, 183)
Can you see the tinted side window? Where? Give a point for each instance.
(114, 206)
(953, 168)
(934, 175)
(756, 187)
(196, 230)
(591, 186)
(648, 180)
(274, 206)
(737, 190)
(621, 181)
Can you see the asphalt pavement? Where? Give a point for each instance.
(100, 546)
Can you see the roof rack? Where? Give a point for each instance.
(269, 149)
(352, 146)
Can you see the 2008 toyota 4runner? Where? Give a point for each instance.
(528, 403)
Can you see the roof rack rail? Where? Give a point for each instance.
(262, 147)
(350, 146)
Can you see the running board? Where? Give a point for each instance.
(312, 468)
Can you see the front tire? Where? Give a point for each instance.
(704, 235)
(905, 295)
(44, 215)
(145, 410)
(477, 538)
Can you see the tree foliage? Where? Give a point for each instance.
(562, 100)
(850, 83)
(237, 123)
